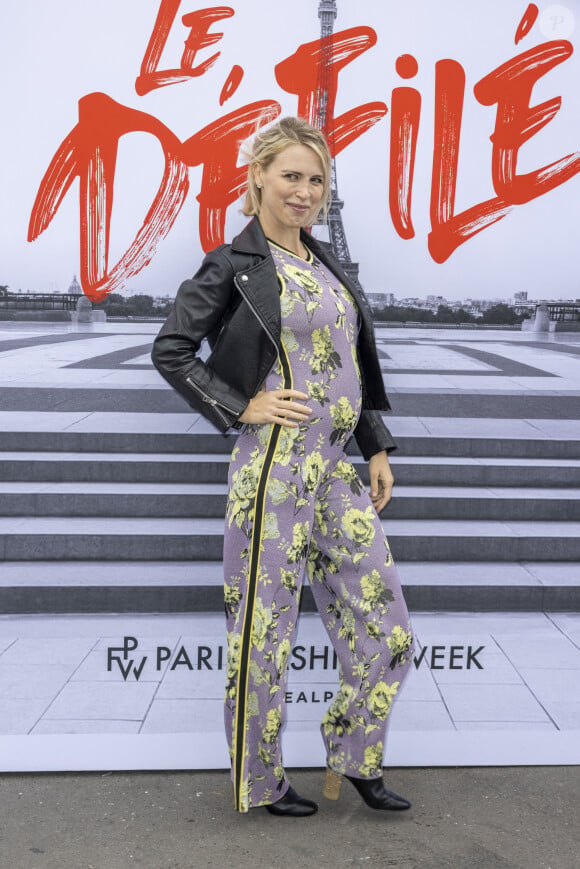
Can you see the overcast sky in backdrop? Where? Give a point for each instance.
(53, 53)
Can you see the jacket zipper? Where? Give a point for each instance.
(257, 315)
(262, 322)
(212, 401)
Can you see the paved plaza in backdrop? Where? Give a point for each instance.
(516, 672)
(471, 385)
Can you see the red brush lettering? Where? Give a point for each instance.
(217, 147)
(352, 124)
(89, 152)
(510, 87)
(312, 74)
(405, 117)
(449, 230)
(407, 66)
(232, 83)
(528, 20)
(199, 23)
(199, 38)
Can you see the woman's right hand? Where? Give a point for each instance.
(278, 407)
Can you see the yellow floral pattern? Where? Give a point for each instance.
(315, 519)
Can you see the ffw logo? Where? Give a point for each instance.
(120, 656)
(456, 657)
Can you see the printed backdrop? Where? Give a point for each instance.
(483, 96)
(456, 131)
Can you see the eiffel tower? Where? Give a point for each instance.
(337, 236)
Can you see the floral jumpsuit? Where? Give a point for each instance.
(297, 505)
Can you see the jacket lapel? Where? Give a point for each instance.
(262, 282)
(258, 281)
(325, 254)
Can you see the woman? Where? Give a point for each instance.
(294, 363)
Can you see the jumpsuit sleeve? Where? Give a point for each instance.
(199, 308)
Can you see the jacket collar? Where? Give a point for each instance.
(253, 241)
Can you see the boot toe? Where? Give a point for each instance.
(377, 796)
(291, 805)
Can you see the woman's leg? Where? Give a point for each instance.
(358, 594)
(265, 550)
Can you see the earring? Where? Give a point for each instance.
(259, 186)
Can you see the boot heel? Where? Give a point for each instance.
(332, 784)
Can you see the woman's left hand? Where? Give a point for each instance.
(382, 480)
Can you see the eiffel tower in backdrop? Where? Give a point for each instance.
(337, 235)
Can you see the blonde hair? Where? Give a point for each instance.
(271, 141)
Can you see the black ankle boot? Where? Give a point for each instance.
(377, 796)
(292, 806)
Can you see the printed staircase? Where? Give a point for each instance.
(133, 522)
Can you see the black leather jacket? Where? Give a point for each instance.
(234, 302)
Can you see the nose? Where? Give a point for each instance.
(303, 190)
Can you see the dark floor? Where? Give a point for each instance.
(492, 818)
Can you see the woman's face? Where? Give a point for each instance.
(292, 191)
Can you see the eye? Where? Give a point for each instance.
(290, 176)
(317, 180)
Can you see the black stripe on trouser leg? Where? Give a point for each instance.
(239, 729)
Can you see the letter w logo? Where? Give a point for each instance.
(126, 668)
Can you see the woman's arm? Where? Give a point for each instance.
(382, 480)
(199, 308)
(372, 435)
(280, 406)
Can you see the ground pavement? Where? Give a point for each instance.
(508, 818)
